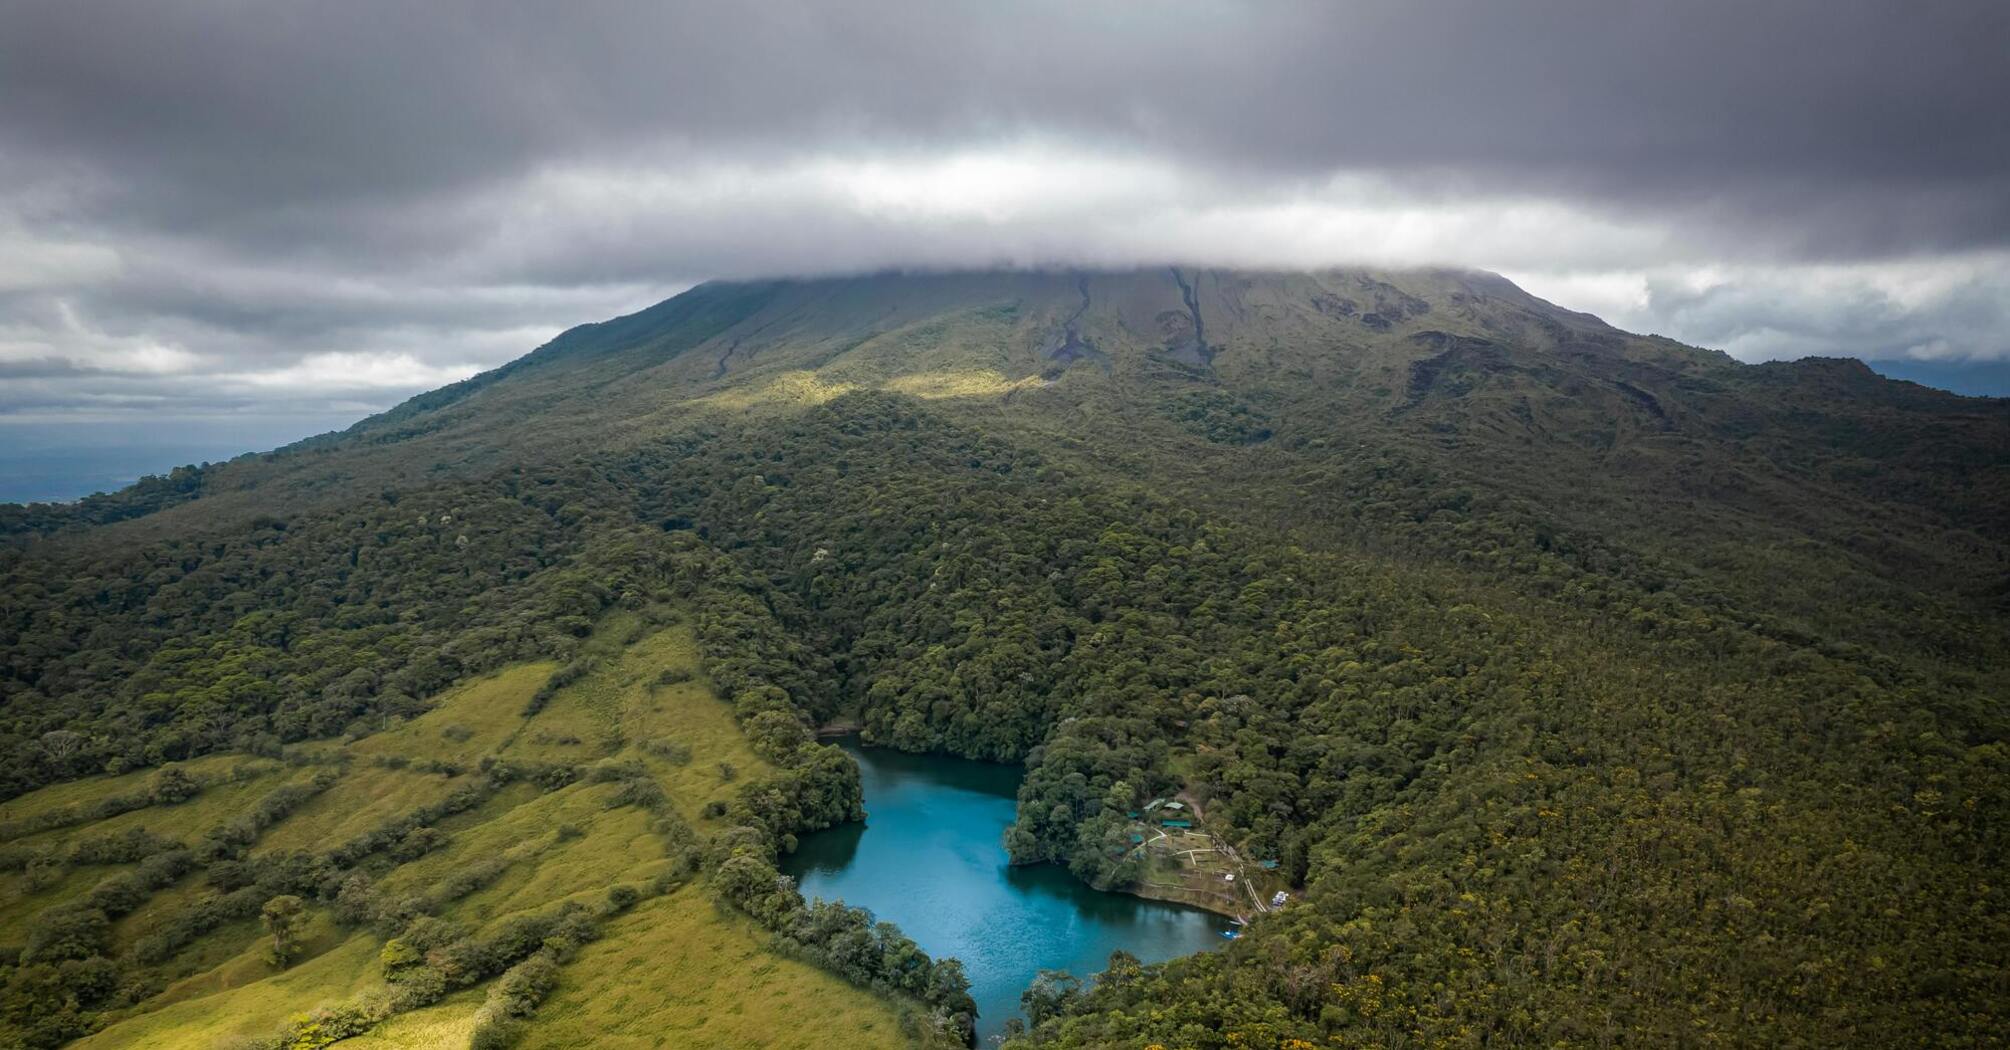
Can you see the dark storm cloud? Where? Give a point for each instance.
(222, 188)
(1878, 124)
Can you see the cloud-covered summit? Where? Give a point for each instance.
(213, 207)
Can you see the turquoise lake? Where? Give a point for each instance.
(930, 858)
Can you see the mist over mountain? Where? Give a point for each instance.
(206, 215)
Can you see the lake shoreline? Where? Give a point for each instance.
(931, 860)
(837, 729)
(1204, 901)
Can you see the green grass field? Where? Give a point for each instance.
(677, 971)
(255, 1008)
(236, 782)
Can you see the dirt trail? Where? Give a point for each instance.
(1221, 846)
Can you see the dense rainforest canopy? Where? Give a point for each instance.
(1595, 689)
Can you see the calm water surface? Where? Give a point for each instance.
(930, 858)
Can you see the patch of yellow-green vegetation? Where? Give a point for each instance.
(471, 720)
(797, 389)
(252, 1010)
(616, 847)
(91, 789)
(365, 797)
(445, 1025)
(509, 797)
(680, 973)
(580, 723)
(569, 731)
(245, 963)
(684, 712)
(644, 691)
(208, 951)
(934, 386)
(557, 845)
(20, 899)
(220, 801)
(149, 915)
(217, 947)
(187, 821)
(968, 353)
(213, 808)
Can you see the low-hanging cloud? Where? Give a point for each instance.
(206, 207)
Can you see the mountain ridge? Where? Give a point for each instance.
(1468, 386)
(707, 316)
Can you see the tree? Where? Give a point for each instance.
(1050, 994)
(283, 917)
(774, 734)
(67, 931)
(356, 902)
(397, 957)
(61, 747)
(1123, 966)
(1104, 856)
(172, 785)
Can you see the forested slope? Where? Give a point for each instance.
(1596, 689)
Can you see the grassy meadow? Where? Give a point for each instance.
(675, 971)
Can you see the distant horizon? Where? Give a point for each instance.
(65, 461)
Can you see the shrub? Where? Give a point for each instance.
(172, 785)
(524, 986)
(466, 880)
(43, 873)
(559, 679)
(397, 957)
(495, 1033)
(417, 843)
(775, 734)
(356, 902)
(180, 928)
(67, 931)
(230, 839)
(671, 751)
(127, 847)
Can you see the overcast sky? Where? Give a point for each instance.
(303, 211)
